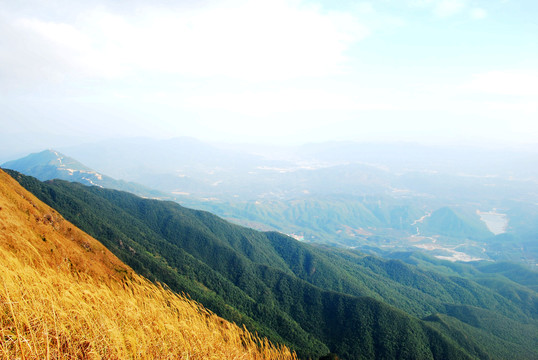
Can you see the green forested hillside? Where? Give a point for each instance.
(315, 300)
(451, 222)
(320, 218)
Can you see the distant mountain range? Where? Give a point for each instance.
(323, 194)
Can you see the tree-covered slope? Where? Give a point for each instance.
(341, 219)
(503, 339)
(315, 300)
(454, 222)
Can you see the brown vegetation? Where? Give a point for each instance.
(64, 295)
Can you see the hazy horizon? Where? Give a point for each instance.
(446, 72)
(15, 147)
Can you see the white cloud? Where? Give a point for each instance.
(446, 8)
(69, 48)
(513, 108)
(420, 3)
(248, 40)
(507, 82)
(478, 13)
(440, 8)
(291, 100)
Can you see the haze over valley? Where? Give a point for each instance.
(380, 199)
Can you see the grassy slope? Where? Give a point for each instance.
(65, 295)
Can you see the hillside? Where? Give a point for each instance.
(451, 222)
(64, 295)
(314, 300)
(338, 219)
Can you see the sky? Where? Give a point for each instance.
(272, 72)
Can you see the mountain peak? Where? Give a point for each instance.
(51, 164)
(46, 158)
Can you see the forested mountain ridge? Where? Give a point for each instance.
(64, 295)
(311, 298)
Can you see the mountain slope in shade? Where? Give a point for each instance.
(64, 295)
(51, 164)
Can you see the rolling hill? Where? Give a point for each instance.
(451, 222)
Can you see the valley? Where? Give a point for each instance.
(342, 195)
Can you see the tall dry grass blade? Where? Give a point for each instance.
(47, 349)
(56, 330)
(3, 344)
(15, 323)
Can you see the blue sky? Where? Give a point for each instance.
(284, 72)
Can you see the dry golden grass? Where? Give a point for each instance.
(63, 295)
